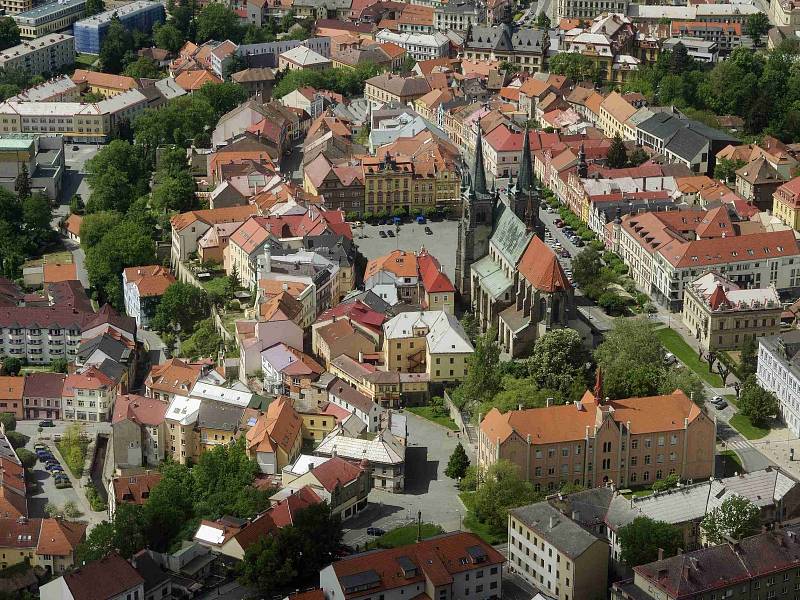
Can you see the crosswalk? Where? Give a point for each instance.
(737, 444)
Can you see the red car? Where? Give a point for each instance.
(559, 223)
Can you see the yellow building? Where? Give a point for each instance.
(318, 420)
(786, 203)
(218, 424)
(276, 438)
(431, 342)
(47, 543)
(103, 84)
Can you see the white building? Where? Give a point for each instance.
(419, 46)
(344, 396)
(143, 288)
(39, 335)
(779, 373)
(46, 54)
(458, 15)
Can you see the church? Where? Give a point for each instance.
(508, 277)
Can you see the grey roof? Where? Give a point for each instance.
(112, 369)
(369, 298)
(560, 531)
(460, 7)
(510, 238)
(400, 85)
(507, 38)
(587, 507)
(111, 347)
(219, 415)
(664, 125)
(687, 144)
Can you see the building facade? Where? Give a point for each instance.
(140, 15)
(46, 54)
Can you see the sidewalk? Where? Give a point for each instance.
(776, 445)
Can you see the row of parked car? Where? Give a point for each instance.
(569, 233)
(52, 466)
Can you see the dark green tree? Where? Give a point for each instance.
(631, 359)
(11, 365)
(586, 266)
(642, 538)
(95, 226)
(37, 213)
(9, 33)
(501, 490)
(26, 457)
(6, 418)
(117, 43)
(94, 7)
(617, 156)
(543, 21)
(637, 157)
(756, 26)
(76, 205)
(168, 37)
(748, 359)
(182, 305)
(218, 22)
(756, 403)
(143, 67)
(483, 375)
(458, 463)
(59, 365)
(205, 341)
(22, 184)
(679, 59)
(558, 361)
(725, 169)
(575, 66)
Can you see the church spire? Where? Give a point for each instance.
(478, 178)
(583, 168)
(525, 178)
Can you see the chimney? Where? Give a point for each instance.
(660, 554)
(519, 406)
(552, 521)
(576, 516)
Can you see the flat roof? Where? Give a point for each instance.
(50, 7)
(124, 11)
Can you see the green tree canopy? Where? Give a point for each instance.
(117, 44)
(483, 375)
(502, 489)
(641, 539)
(559, 361)
(756, 26)
(218, 22)
(143, 67)
(756, 403)
(183, 305)
(9, 33)
(168, 37)
(205, 342)
(617, 156)
(95, 226)
(586, 266)
(631, 359)
(737, 517)
(458, 463)
(575, 66)
(94, 7)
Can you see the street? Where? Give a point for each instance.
(427, 489)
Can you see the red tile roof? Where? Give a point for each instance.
(358, 312)
(60, 538)
(102, 579)
(44, 385)
(135, 489)
(541, 268)
(150, 280)
(173, 377)
(336, 472)
(21, 534)
(433, 279)
(284, 512)
(139, 409)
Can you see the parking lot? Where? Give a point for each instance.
(411, 237)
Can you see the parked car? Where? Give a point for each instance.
(47, 423)
(376, 531)
(390, 233)
(75, 148)
(565, 254)
(45, 458)
(428, 231)
(39, 446)
(559, 223)
(670, 359)
(63, 483)
(579, 243)
(382, 233)
(54, 469)
(358, 224)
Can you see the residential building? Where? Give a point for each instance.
(109, 578)
(589, 9)
(451, 565)
(49, 544)
(524, 47)
(11, 396)
(253, 337)
(341, 186)
(757, 183)
(103, 84)
(218, 424)
(431, 342)
(181, 420)
(142, 289)
(288, 371)
(189, 227)
(350, 399)
(43, 156)
(47, 54)
(13, 501)
(306, 99)
(778, 373)
(419, 46)
(266, 54)
(723, 316)
(701, 50)
(174, 377)
(257, 81)
(784, 13)
(39, 335)
(139, 431)
(385, 388)
(42, 395)
(89, 395)
(141, 15)
(275, 440)
(410, 278)
(727, 36)
(387, 88)
(343, 485)
(131, 489)
(764, 563)
(556, 554)
(303, 58)
(385, 455)
(48, 18)
(458, 16)
(630, 442)
(786, 203)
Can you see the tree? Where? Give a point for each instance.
(143, 67)
(94, 226)
(26, 457)
(543, 21)
(205, 342)
(182, 305)
(558, 360)
(669, 482)
(175, 192)
(501, 490)
(222, 97)
(59, 365)
(471, 326)
(218, 22)
(12, 365)
(631, 360)
(617, 156)
(98, 544)
(725, 169)
(117, 43)
(586, 266)
(685, 380)
(17, 439)
(22, 184)
(71, 510)
(168, 37)
(748, 359)
(126, 244)
(9, 33)
(612, 303)
(8, 421)
(94, 7)
(756, 403)
(76, 205)
(679, 59)
(575, 66)
(483, 376)
(458, 463)
(642, 538)
(515, 392)
(36, 216)
(737, 517)
(756, 25)
(638, 156)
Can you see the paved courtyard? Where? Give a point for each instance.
(411, 237)
(427, 488)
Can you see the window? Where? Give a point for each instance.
(634, 444)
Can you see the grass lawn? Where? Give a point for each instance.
(673, 342)
(74, 454)
(217, 285)
(35, 369)
(64, 258)
(86, 60)
(429, 412)
(743, 425)
(407, 534)
(472, 524)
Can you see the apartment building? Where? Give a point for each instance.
(46, 54)
(458, 16)
(407, 277)
(727, 36)
(760, 566)
(589, 9)
(50, 17)
(140, 15)
(778, 373)
(419, 46)
(786, 203)
(524, 47)
(556, 554)
(143, 288)
(89, 395)
(39, 335)
(451, 565)
(630, 442)
(42, 395)
(181, 421)
(431, 342)
(139, 431)
(722, 316)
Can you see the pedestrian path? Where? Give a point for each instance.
(738, 444)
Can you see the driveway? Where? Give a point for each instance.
(427, 489)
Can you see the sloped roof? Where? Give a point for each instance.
(541, 268)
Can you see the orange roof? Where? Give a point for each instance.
(60, 538)
(11, 388)
(555, 424)
(541, 268)
(273, 287)
(73, 224)
(151, 280)
(433, 279)
(398, 262)
(618, 107)
(393, 50)
(281, 307)
(279, 427)
(55, 272)
(192, 81)
(212, 216)
(173, 377)
(122, 83)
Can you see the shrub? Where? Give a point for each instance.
(27, 458)
(71, 510)
(17, 439)
(9, 421)
(351, 216)
(95, 500)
